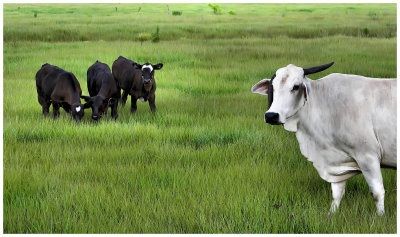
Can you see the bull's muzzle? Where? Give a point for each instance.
(272, 118)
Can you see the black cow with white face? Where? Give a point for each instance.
(136, 80)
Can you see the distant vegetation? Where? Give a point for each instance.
(265, 21)
(143, 37)
(176, 13)
(216, 8)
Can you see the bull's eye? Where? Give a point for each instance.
(295, 87)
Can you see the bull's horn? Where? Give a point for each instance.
(316, 69)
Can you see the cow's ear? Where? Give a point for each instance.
(87, 104)
(261, 87)
(86, 98)
(306, 90)
(137, 65)
(158, 66)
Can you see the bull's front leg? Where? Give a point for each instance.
(337, 194)
(133, 103)
(56, 110)
(152, 103)
(371, 169)
(66, 107)
(114, 112)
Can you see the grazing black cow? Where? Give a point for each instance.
(137, 80)
(103, 91)
(60, 88)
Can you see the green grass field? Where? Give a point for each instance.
(206, 162)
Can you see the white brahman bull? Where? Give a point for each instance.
(345, 124)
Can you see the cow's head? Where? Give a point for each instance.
(287, 91)
(148, 71)
(98, 104)
(77, 112)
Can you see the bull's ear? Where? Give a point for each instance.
(158, 66)
(137, 65)
(306, 89)
(87, 104)
(261, 87)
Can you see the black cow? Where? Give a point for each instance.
(137, 80)
(103, 91)
(60, 88)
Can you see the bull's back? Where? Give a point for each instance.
(100, 78)
(67, 88)
(368, 108)
(47, 78)
(123, 72)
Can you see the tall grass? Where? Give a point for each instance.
(206, 162)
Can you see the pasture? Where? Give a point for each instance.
(205, 162)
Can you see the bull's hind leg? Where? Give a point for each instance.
(337, 194)
(45, 105)
(56, 110)
(371, 170)
(124, 97)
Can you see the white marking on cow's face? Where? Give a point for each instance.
(288, 96)
(148, 66)
(78, 108)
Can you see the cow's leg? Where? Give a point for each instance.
(133, 104)
(152, 103)
(56, 110)
(371, 170)
(114, 112)
(337, 194)
(45, 105)
(124, 97)
(66, 107)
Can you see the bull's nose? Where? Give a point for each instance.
(271, 118)
(95, 117)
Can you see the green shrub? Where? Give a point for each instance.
(305, 10)
(216, 8)
(365, 31)
(176, 13)
(231, 12)
(35, 14)
(143, 37)
(373, 15)
(156, 36)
